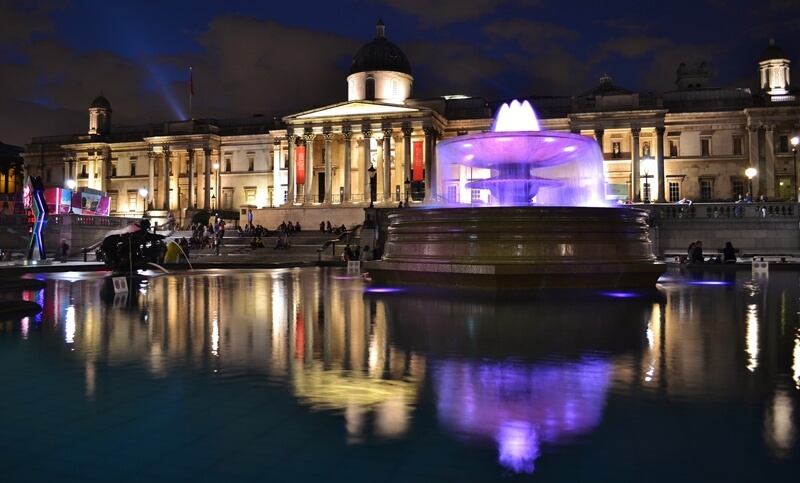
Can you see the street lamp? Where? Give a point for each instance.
(408, 187)
(750, 173)
(373, 185)
(143, 194)
(647, 177)
(795, 141)
(71, 184)
(213, 202)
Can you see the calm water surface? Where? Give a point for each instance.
(311, 375)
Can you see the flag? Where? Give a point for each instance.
(191, 82)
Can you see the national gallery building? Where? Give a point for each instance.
(693, 142)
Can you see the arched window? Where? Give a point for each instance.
(394, 88)
(369, 93)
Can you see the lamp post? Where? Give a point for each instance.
(71, 184)
(373, 185)
(795, 141)
(750, 173)
(647, 177)
(213, 202)
(143, 194)
(408, 187)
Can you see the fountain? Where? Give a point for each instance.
(547, 224)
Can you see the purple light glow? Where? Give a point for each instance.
(525, 166)
(709, 282)
(621, 295)
(383, 289)
(520, 406)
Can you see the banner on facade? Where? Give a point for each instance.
(300, 164)
(417, 162)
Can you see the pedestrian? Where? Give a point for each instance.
(64, 250)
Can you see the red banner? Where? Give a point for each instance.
(417, 163)
(300, 163)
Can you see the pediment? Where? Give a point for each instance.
(355, 108)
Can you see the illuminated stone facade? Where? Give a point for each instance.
(694, 142)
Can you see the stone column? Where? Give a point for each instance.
(347, 162)
(190, 197)
(662, 180)
(387, 164)
(291, 183)
(151, 175)
(366, 163)
(407, 153)
(309, 136)
(766, 168)
(100, 170)
(752, 134)
(598, 135)
(69, 172)
(167, 169)
(328, 171)
(276, 170)
(635, 168)
(430, 176)
(207, 179)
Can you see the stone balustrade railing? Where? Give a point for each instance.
(722, 210)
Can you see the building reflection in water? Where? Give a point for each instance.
(297, 327)
(517, 375)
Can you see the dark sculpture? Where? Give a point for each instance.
(128, 253)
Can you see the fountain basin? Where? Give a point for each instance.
(544, 168)
(518, 248)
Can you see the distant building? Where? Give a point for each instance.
(11, 168)
(694, 142)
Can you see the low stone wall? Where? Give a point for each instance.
(79, 231)
(753, 228)
(309, 217)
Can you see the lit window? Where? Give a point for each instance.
(674, 191)
(706, 189)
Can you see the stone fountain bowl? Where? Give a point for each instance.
(518, 248)
(524, 148)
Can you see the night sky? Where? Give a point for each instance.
(278, 58)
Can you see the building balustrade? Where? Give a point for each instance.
(723, 210)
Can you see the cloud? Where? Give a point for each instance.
(631, 47)
(265, 67)
(444, 12)
(23, 20)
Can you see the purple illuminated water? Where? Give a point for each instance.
(522, 165)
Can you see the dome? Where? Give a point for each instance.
(100, 103)
(380, 54)
(772, 52)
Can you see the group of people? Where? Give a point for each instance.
(251, 229)
(207, 236)
(288, 227)
(357, 254)
(748, 198)
(695, 254)
(326, 227)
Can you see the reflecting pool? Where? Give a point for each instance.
(312, 375)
